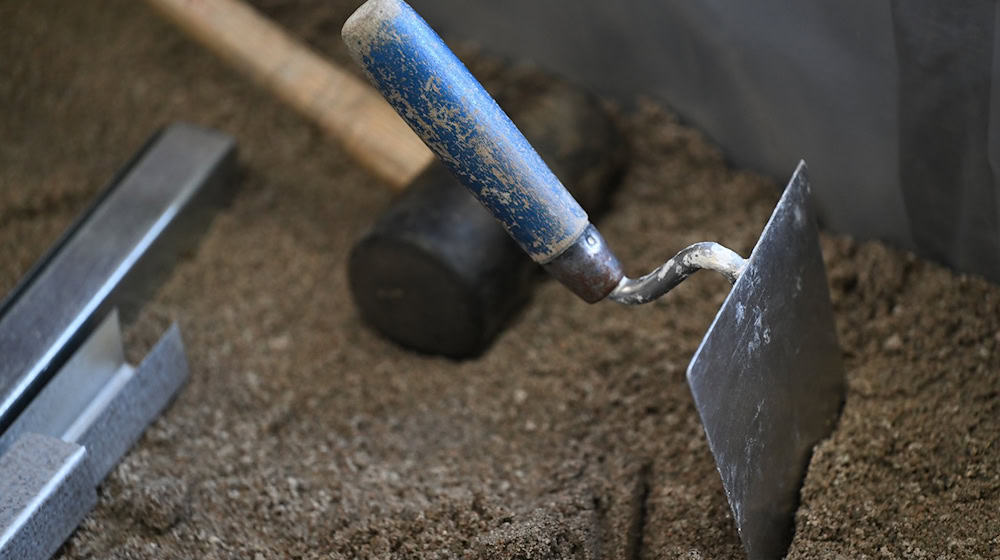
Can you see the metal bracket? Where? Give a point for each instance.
(74, 432)
(70, 406)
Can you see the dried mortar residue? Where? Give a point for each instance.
(303, 434)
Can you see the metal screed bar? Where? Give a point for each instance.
(70, 406)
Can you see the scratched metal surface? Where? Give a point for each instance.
(120, 248)
(772, 350)
(462, 124)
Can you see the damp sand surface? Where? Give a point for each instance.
(303, 434)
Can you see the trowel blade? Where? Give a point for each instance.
(767, 380)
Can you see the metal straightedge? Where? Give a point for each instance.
(70, 405)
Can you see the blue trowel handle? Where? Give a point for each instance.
(445, 105)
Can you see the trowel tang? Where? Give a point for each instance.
(767, 379)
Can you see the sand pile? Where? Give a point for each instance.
(304, 434)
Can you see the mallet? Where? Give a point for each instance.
(437, 273)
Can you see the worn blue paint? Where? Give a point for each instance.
(434, 92)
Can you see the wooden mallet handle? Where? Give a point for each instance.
(345, 107)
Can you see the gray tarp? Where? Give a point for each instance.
(891, 102)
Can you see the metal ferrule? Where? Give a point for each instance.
(587, 267)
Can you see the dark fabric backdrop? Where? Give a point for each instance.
(891, 102)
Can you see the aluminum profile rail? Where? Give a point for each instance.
(70, 406)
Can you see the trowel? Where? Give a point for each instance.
(767, 379)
